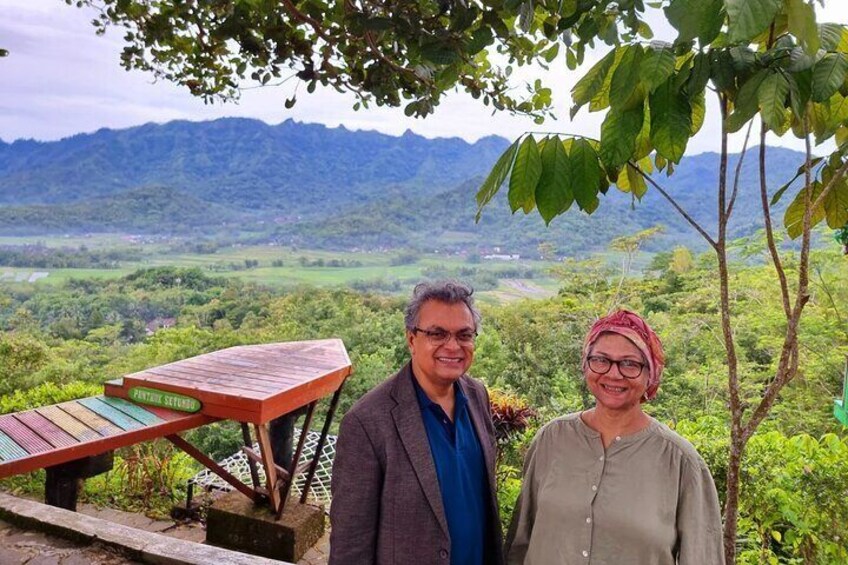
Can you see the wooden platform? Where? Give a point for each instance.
(251, 383)
(64, 432)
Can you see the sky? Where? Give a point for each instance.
(61, 79)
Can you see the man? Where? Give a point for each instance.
(413, 478)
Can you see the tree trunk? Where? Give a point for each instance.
(731, 506)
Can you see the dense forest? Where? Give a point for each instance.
(63, 341)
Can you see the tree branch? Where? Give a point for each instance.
(738, 172)
(772, 247)
(674, 203)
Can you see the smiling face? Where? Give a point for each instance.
(611, 390)
(440, 366)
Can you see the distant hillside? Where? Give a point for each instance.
(148, 209)
(447, 220)
(331, 188)
(244, 164)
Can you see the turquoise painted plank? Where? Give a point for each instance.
(110, 413)
(10, 450)
(134, 410)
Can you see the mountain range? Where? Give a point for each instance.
(315, 186)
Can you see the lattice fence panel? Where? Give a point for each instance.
(237, 465)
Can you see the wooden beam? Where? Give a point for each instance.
(270, 467)
(210, 464)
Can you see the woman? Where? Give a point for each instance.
(611, 485)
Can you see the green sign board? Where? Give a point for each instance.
(171, 400)
(840, 408)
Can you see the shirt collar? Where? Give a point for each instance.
(425, 402)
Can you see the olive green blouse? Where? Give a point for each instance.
(648, 499)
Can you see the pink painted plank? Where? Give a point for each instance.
(55, 436)
(23, 436)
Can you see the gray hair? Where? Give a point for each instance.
(448, 291)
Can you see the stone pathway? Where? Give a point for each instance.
(18, 546)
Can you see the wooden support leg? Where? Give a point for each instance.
(270, 467)
(316, 458)
(248, 442)
(61, 486)
(304, 432)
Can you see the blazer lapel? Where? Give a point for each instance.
(410, 427)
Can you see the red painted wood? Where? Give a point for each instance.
(22, 435)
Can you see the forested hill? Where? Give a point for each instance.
(330, 187)
(243, 164)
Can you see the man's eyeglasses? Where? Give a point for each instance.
(627, 368)
(439, 336)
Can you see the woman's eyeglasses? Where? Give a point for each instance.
(627, 368)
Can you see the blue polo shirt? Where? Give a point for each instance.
(462, 476)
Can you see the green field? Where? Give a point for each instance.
(299, 266)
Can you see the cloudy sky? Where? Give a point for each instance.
(61, 79)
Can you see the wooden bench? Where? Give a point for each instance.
(253, 384)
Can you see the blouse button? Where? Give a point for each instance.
(585, 553)
(594, 487)
(601, 458)
(617, 438)
(589, 520)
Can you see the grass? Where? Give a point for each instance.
(362, 266)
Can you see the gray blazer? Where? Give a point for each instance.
(387, 507)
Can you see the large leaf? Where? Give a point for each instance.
(701, 19)
(671, 121)
(777, 195)
(830, 35)
(772, 99)
(793, 218)
(625, 79)
(698, 76)
(836, 205)
(802, 24)
(699, 112)
(618, 136)
(525, 175)
(749, 18)
(629, 180)
(587, 174)
(828, 76)
(588, 86)
(495, 179)
(554, 194)
(644, 146)
(800, 89)
(746, 103)
(657, 66)
(601, 99)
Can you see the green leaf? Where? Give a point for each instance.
(625, 79)
(772, 99)
(618, 136)
(588, 86)
(800, 89)
(587, 174)
(793, 218)
(481, 38)
(698, 76)
(701, 19)
(643, 140)
(836, 205)
(830, 36)
(525, 175)
(699, 112)
(746, 102)
(657, 66)
(813, 162)
(671, 122)
(495, 179)
(828, 76)
(802, 24)
(629, 180)
(749, 18)
(554, 194)
(439, 54)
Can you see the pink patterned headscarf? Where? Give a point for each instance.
(638, 331)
